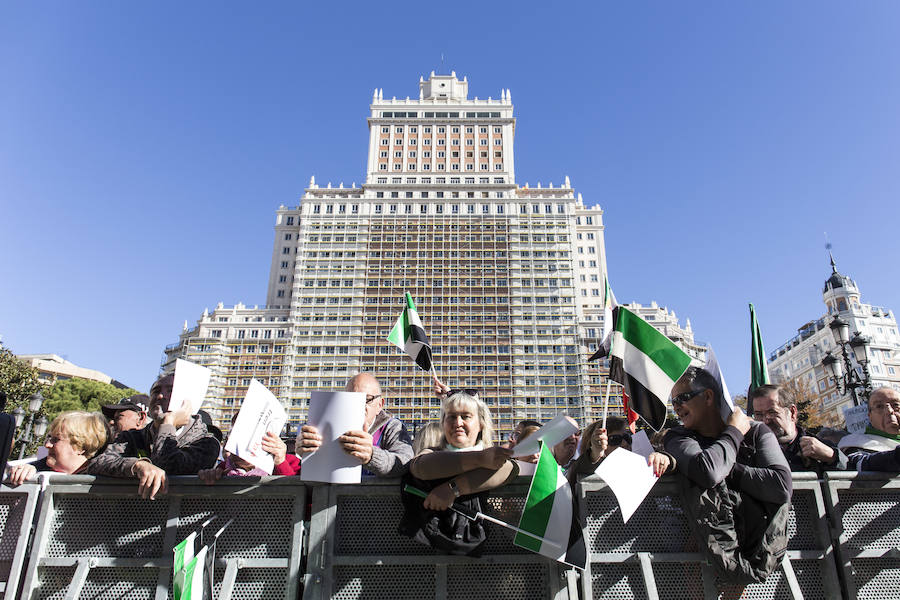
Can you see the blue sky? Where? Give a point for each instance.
(722, 141)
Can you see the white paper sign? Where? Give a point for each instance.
(640, 444)
(712, 366)
(260, 412)
(526, 468)
(856, 418)
(333, 414)
(629, 477)
(552, 433)
(189, 388)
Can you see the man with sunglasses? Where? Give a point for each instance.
(382, 445)
(802, 451)
(878, 449)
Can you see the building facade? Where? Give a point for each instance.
(801, 356)
(508, 279)
(52, 368)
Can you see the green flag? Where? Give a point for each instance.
(409, 335)
(759, 373)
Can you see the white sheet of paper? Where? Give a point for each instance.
(260, 412)
(333, 414)
(526, 468)
(640, 444)
(856, 418)
(191, 381)
(630, 478)
(552, 433)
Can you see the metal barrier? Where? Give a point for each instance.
(17, 508)
(96, 538)
(355, 552)
(865, 522)
(655, 556)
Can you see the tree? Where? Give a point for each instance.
(18, 381)
(809, 405)
(81, 394)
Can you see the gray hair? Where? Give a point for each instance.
(486, 437)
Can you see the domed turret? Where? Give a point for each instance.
(840, 292)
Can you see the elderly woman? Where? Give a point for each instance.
(74, 437)
(736, 481)
(466, 460)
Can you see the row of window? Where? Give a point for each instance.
(441, 180)
(441, 167)
(440, 115)
(441, 154)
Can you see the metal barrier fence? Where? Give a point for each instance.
(865, 522)
(655, 556)
(97, 539)
(355, 552)
(17, 506)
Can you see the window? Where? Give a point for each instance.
(498, 142)
(455, 130)
(441, 142)
(398, 130)
(384, 154)
(284, 264)
(470, 142)
(398, 154)
(385, 130)
(496, 130)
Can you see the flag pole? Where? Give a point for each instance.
(475, 515)
(605, 404)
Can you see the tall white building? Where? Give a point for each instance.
(801, 356)
(508, 279)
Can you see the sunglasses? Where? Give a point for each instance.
(616, 439)
(469, 391)
(684, 398)
(371, 399)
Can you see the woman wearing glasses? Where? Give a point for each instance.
(74, 437)
(735, 480)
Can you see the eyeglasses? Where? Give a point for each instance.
(371, 399)
(894, 406)
(53, 439)
(771, 414)
(469, 391)
(616, 439)
(684, 398)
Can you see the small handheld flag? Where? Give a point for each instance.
(759, 373)
(409, 335)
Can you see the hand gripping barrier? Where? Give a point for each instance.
(95, 538)
(655, 556)
(17, 508)
(355, 552)
(865, 514)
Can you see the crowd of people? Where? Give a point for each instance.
(741, 465)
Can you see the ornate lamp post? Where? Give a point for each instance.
(842, 371)
(34, 429)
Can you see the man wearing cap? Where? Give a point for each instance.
(174, 443)
(130, 413)
(382, 446)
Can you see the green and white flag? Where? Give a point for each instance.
(409, 335)
(646, 363)
(184, 554)
(759, 372)
(195, 577)
(550, 514)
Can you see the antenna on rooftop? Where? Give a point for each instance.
(442, 62)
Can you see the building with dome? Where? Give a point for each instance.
(801, 356)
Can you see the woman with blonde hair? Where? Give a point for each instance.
(461, 468)
(74, 437)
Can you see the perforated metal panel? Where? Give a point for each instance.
(52, 582)
(261, 527)
(491, 581)
(119, 584)
(372, 529)
(397, 582)
(811, 575)
(617, 581)
(877, 579)
(774, 588)
(12, 508)
(91, 525)
(257, 584)
(802, 519)
(678, 581)
(657, 526)
(870, 519)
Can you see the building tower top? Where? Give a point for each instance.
(444, 87)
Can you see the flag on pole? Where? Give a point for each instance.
(646, 363)
(184, 554)
(550, 514)
(409, 335)
(609, 303)
(194, 577)
(759, 373)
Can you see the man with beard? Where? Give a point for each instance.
(803, 452)
(564, 451)
(878, 449)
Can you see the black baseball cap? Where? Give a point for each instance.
(137, 403)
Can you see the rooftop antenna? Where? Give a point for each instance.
(830, 255)
(442, 62)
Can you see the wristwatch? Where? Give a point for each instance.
(454, 488)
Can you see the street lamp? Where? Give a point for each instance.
(34, 428)
(842, 371)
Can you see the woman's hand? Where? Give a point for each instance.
(494, 457)
(19, 474)
(440, 498)
(660, 463)
(272, 444)
(599, 444)
(440, 388)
